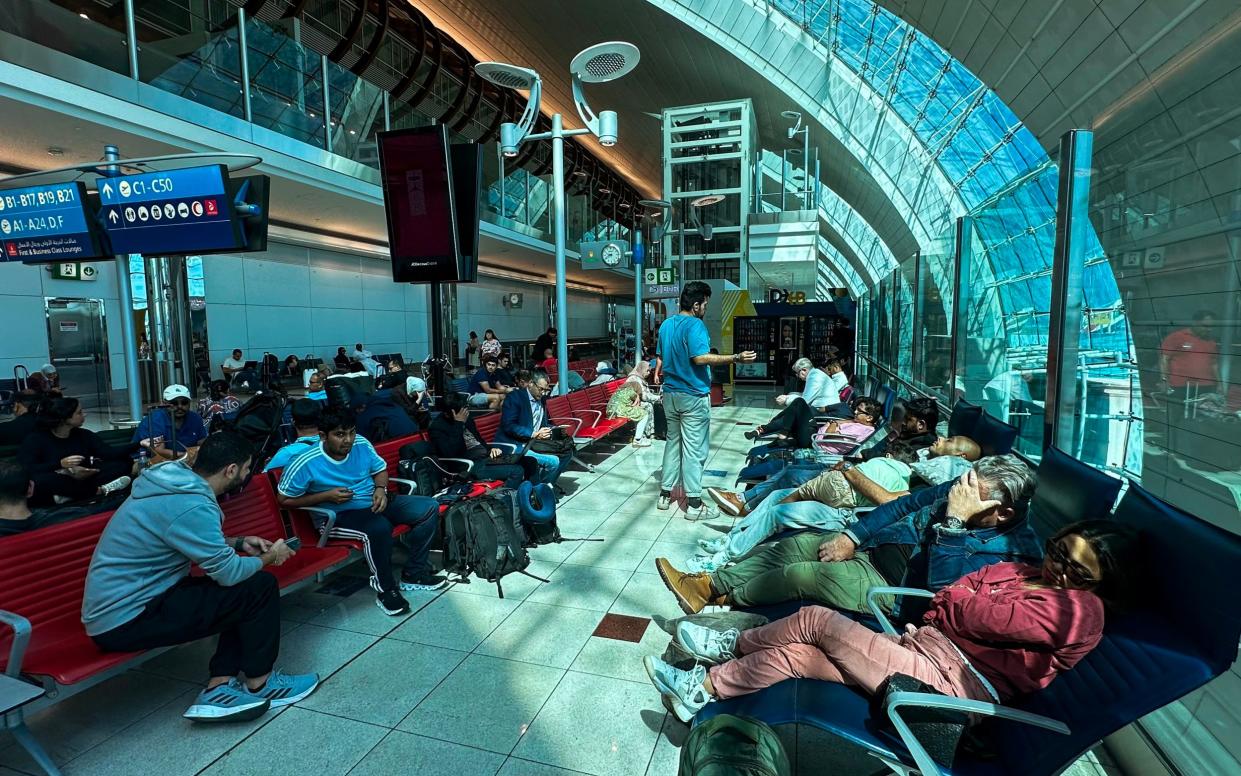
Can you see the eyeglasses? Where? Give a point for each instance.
(1074, 571)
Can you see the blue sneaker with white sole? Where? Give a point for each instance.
(283, 689)
(230, 702)
(682, 691)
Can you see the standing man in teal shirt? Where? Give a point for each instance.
(685, 349)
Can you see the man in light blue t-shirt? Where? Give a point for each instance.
(685, 350)
(343, 473)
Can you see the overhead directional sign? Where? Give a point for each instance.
(41, 224)
(175, 211)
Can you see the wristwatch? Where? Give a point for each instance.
(955, 523)
(736, 358)
(239, 544)
(845, 466)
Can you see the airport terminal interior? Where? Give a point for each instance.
(620, 387)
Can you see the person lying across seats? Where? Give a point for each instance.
(946, 459)
(767, 460)
(825, 503)
(68, 462)
(140, 595)
(454, 435)
(927, 540)
(795, 421)
(343, 473)
(999, 632)
(306, 424)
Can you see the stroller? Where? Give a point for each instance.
(260, 420)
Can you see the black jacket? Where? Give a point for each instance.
(448, 438)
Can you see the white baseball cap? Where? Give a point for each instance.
(175, 391)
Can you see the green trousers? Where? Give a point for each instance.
(790, 570)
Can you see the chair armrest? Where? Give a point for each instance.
(926, 765)
(329, 522)
(577, 424)
(404, 487)
(466, 463)
(512, 448)
(598, 415)
(873, 594)
(21, 640)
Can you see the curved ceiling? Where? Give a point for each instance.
(680, 66)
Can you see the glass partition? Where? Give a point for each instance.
(905, 311)
(934, 287)
(192, 50)
(96, 35)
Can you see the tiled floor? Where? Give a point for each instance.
(470, 683)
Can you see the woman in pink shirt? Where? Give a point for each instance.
(1004, 630)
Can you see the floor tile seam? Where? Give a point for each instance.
(429, 738)
(663, 726)
(385, 634)
(469, 651)
(169, 702)
(536, 762)
(267, 720)
(563, 673)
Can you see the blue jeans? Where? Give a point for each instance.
(791, 476)
(770, 516)
(689, 442)
(374, 530)
(762, 470)
(550, 466)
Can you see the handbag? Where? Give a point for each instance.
(938, 730)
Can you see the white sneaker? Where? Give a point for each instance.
(712, 546)
(706, 564)
(710, 646)
(120, 483)
(682, 691)
(703, 511)
(664, 502)
(642, 442)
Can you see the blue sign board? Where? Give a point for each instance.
(46, 224)
(176, 211)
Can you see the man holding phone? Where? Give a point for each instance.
(157, 430)
(343, 473)
(139, 594)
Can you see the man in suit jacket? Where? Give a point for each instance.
(523, 417)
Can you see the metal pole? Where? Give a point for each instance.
(962, 269)
(387, 111)
(437, 343)
(681, 256)
(131, 38)
(805, 167)
(245, 64)
(327, 104)
(125, 299)
(1061, 412)
(637, 292)
(562, 305)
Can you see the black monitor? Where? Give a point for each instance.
(467, 184)
(416, 174)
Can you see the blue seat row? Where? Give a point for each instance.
(1184, 632)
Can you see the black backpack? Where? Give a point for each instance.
(259, 421)
(484, 536)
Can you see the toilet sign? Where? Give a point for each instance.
(73, 270)
(660, 283)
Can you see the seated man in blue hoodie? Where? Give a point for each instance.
(139, 594)
(344, 474)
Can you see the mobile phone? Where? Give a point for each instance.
(293, 543)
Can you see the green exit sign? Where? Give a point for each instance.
(74, 270)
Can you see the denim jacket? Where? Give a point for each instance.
(943, 555)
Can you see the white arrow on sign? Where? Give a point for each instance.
(107, 189)
(113, 217)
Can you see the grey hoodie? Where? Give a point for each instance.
(170, 520)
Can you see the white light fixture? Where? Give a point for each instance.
(597, 64)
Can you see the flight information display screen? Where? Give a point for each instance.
(175, 211)
(42, 224)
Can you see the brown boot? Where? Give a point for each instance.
(693, 591)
